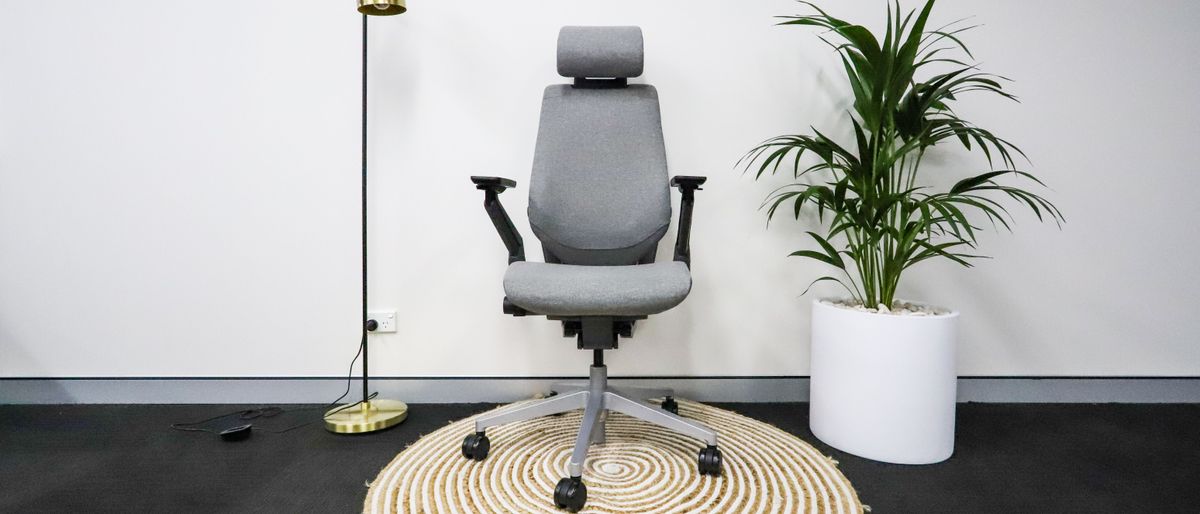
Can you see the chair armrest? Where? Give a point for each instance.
(497, 183)
(684, 182)
(688, 185)
(492, 187)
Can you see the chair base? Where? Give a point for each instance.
(597, 399)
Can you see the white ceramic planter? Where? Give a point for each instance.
(883, 386)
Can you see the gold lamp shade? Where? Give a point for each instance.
(381, 7)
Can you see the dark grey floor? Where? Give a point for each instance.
(1009, 459)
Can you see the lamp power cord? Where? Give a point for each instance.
(273, 411)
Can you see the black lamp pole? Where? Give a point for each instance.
(371, 414)
(365, 327)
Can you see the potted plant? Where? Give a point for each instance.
(883, 378)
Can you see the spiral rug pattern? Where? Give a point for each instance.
(641, 468)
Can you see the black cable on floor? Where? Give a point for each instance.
(270, 412)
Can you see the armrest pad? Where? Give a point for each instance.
(499, 184)
(684, 182)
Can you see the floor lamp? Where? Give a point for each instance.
(371, 414)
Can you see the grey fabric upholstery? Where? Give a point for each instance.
(600, 52)
(567, 290)
(599, 198)
(598, 194)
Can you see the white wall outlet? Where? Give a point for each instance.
(386, 320)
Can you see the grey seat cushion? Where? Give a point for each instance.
(571, 290)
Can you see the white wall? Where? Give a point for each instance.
(179, 186)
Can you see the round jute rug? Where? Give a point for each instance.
(641, 468)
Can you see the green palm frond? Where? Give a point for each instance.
(880, 222)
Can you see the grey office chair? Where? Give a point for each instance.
(599, 202)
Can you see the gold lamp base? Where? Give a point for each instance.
(381, 7)
(370, 416)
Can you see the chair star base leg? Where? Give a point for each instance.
(598, 400)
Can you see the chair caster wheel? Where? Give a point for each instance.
(476, 446)
(670, 405)
(710, 461)
(570, 494)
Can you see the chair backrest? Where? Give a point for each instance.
(598, 194)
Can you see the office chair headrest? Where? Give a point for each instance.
(600, 52)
